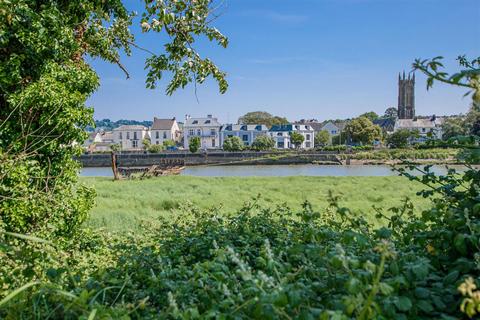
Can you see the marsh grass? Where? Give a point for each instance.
(125, 205)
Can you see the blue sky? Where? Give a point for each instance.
(318, 59)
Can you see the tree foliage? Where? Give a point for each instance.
(362, 130)
(261, 117)
(194, 144)
(45, 81)
(297, 139)
(370, 115)
(322, 138)
(233, 144)
(263, 143)
(401, 138)
(391, 113)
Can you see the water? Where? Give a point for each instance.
(278, 171)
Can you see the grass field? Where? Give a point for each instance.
(122, 205)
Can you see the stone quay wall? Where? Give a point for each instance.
(140, 159)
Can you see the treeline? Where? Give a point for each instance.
(108, 125)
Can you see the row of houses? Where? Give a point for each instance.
(212, 133)
(209, 130)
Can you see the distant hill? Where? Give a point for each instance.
(108, 125)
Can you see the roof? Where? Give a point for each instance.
(317, 126)
(384, 122)
(163, 124)
(244, 127)
(419, 123)
(290, 127)
(130, 127)
(107, 135)
(202, 122)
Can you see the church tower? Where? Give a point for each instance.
(406, 97)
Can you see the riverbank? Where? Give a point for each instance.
(123, 205)
(382, 156)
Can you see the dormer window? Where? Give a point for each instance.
(208, 122)
(243, 128)
(194, 122)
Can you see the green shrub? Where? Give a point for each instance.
(233, 144)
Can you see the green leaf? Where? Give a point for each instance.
(385, 288)
(425, 306)
(403, 303)
(422, 293)
(460, 243)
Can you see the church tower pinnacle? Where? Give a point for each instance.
(406, 96)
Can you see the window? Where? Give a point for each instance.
(213, 143)
(128, 135)
(213, 132)
(199, 132)
(307, 137)
(157, 134)
(334, 132)
(191, 132)
(194, 122)
(208, 121)
(307, 144)
(135, 135)
(279, 134)
(121, 136)
(164, 134)
(281, 145)
(423, 130)
(158, 142)
(245, 137)
(134, 143)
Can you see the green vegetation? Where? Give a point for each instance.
(263, 143)
(322, 138)
(194, 144)
(297, 139)
(361, 130)
(233, 144)
(262, 117)
(404, 154)
(123, 204)
(401, 138)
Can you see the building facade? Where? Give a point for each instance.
(427, 128)
(246, 132)
(207, 129)
(281, 134)
(163, 130)
(130, 137)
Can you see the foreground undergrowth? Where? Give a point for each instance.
(260, 263)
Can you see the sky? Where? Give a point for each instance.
(304, 59)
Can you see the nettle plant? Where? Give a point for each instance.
(45, 81)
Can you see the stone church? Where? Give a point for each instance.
(427, 127)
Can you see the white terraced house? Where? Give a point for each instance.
(130, 137)
(281, 135)
(164, 129)
(207, 129)
(246, 132)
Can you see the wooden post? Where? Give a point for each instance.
(116, 176)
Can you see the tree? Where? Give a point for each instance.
(194, 144)
(362, 130)
(297, 139)
(370, 115)
(453, 127)
(391, 113)
(399, 138)
(45, 80)
(146, 143)
(263, 143)
(116, 147)
(156, 148)
(261, 117)
(233, 144)
(322, 138)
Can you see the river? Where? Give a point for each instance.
(278, 171)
